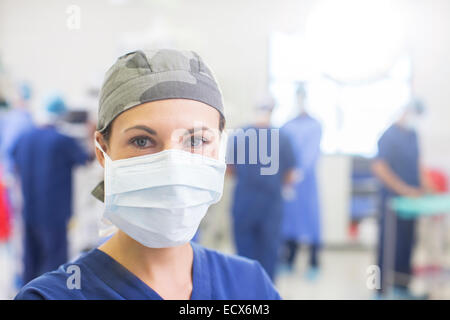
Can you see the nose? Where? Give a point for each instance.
(174, 140)
(171, 145)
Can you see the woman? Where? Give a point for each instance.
(160, 123)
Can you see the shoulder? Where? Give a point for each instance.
(25, 137)
(66, 142)
(240, 278)
(287, 131)
(389, 134)
(228, 261)
(49, 286)
(284, 134)
(288, 125)
(29, 132)
(312, 123)
(60, 284)
(62, 136)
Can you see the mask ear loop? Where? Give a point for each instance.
(106, 227)
(98, 146)
(107, 159)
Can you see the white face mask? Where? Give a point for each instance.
(160, 199)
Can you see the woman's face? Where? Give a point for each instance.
(152, 127)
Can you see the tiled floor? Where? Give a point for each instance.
(343, 275)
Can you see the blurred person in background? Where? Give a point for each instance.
(16, 122)
(397, 166)
(44, 159)
(5, 212)
(4, 108)
(257, 203)
(301, 217)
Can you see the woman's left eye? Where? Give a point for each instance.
(196, 141)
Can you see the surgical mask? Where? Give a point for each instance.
(160, 199)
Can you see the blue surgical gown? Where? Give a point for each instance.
(216, 276)
(301, 217)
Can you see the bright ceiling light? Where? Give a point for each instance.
(355, 39)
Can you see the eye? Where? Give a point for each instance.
(141, 142)
(195, 141)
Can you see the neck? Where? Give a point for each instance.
(302, 109)
(401, 123)
(262, 121)
(151, 264)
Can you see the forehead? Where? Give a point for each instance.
(169, 114)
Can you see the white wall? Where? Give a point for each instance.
(36, 44)
(231, 35)
(429, 40)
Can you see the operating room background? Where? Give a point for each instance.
(234, 37)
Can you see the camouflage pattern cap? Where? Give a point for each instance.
(144, 76)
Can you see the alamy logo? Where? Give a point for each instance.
(253, 146)
(73, 21)
(257, 143)
(373, 281)
(74, 280)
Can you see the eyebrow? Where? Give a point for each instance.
(145, 128)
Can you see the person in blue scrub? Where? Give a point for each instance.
(257, 201)
(160, 112)
(16, 122)
(397, 166)
(301, 217)
(4, 108)
(44, 159)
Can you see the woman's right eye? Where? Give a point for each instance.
(142, 142)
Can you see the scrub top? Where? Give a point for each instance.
(216, 276)
(398, 147)
(301, 220)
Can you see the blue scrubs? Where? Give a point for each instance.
(44, 159)
(257, 205)
(301, 220)
(216, 276)
(398, 147)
